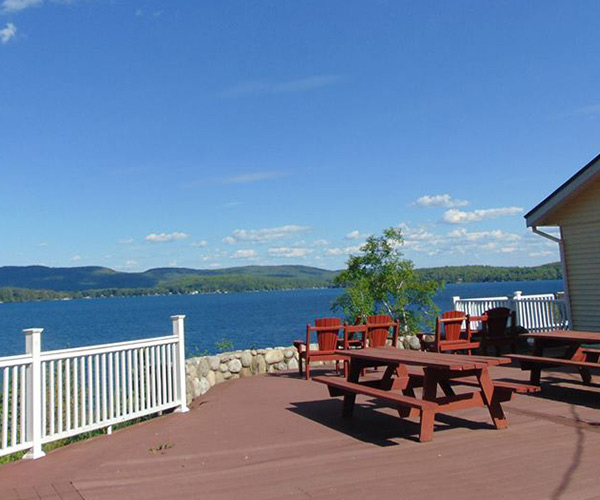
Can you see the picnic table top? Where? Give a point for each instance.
(566, 335)
(392, 355)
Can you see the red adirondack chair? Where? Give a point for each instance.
(450, 335)
(328, 340)
(378, 330)
(496, 331)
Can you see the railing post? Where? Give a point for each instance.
(516, 300)
(455, 299)
(178, 331)
(33, 391)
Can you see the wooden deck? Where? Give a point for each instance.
(281, 437)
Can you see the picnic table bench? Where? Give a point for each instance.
(407, 370)
(576, 355)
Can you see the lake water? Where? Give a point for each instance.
(253, 319)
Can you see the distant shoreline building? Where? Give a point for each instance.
(575, 209)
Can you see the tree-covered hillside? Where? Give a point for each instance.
(19, 284)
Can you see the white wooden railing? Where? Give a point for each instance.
(54, 395)
(537, 313)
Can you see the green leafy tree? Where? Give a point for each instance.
(380, 280)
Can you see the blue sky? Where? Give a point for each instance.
(140, 134)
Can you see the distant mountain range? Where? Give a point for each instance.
(40, 282)
(79, 279)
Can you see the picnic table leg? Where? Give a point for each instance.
(446, 388)
(490, 397)
(586, 375)
(350, 397)
(430, 383)
(427, 421)
(576, 353)
(536, 370)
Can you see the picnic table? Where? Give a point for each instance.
(406, 370)
(575, 355)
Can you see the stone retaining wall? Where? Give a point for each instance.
(206, 371)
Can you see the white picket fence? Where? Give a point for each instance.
(53, 395)
(537, 313)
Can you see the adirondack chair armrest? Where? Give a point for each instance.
(300, 345)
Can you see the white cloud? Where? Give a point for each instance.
(320, 243)
(265, 234)
(353, 235)
(543, 253)
(496, 234)
(125, 241)
(200, 244)
(263, 87)
(343, 251)
(8, 33)
(76, 258)
(440, 200)
(454, 216)
(9, 6)
(165, 237)
(289, 252)
(42, 244)
(244, 254)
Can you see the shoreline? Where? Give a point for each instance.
(70, 296)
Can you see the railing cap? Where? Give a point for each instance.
(178, 316)
(33, 330)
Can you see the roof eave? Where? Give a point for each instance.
(541, 214)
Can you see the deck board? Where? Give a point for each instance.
(282, 437)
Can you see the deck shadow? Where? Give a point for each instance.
(554, 389)
(375, 427)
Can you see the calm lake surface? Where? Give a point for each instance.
(252, 319)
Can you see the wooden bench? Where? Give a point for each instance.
(407, 406)
(505, 388)
(537, 363)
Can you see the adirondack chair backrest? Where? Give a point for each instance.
(377, 336)
(497, 321)
(451, 323)
(328, 339)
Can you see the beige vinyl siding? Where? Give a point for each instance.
(582, 258)
(582, 209)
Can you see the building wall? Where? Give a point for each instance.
(580, 225)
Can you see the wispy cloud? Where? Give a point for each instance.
(8, 33)
(243, 178)
(354, 235)
(9, 6)
(199, 244)
(440, 200)
(496, 234)
(289, 252)
(251, 177)
(76, 258)
(166, 237)
(454, 216)
(290, 86)
(125, 241)
(589, 110)
(129, 264)
(265, 234)
(244, 254)
(337, 251)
